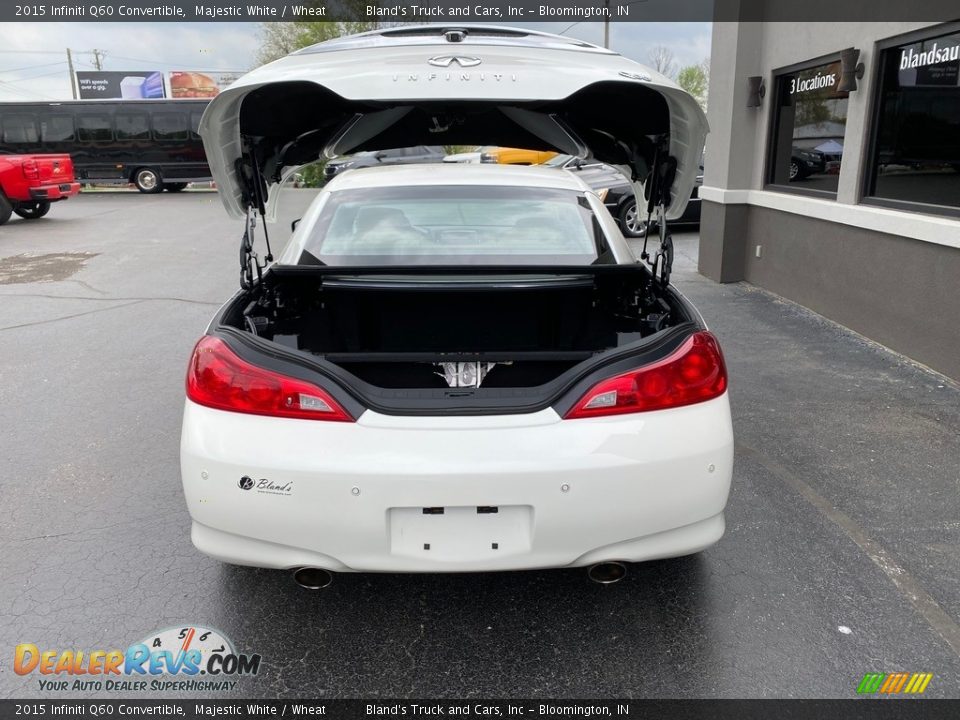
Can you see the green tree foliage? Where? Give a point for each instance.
(280, 39)
(695, 79)
(312, 174)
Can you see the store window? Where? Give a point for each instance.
(809, 126)
(915, 160)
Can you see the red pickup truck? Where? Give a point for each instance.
(29, 183)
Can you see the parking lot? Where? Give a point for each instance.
(842, 552)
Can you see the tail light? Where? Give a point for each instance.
(220, 379)
(695, 372)
(30, 170)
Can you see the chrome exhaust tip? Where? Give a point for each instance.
(607, 573)
(311, 578)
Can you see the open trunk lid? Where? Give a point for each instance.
(453, 86)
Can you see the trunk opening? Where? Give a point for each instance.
(440, 330)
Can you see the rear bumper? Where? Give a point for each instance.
(61, 191)
(350, 496)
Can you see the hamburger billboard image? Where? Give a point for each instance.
(193, 84)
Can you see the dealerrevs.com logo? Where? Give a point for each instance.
(175, 659)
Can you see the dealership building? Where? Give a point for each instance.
(833, 175)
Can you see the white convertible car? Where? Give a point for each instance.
(455, 367)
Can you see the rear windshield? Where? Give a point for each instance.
(454, 225)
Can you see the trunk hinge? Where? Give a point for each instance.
(255, 202)
(658, 200)
(249, 261)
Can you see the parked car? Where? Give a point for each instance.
(470, 156)
(804, 163)
(30, 183)
(618, 195)
(503, 156)
(515, 156)
(454, 367)
(477, 155)
(622, 204)
(392, 156)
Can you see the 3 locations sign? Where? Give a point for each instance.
(823, 78)
(151, 84)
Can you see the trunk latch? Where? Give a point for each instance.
(465, 374)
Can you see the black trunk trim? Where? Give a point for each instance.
(434, 357)
(355, 395)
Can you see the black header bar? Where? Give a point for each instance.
(471, 11)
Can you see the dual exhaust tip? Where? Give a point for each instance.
(312, 578)
(607, 573)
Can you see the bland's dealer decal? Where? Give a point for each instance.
(265, 486)
(150, 664)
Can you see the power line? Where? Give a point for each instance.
(25, 93)
(154, 61)
(570, 26)
(578, 22)
(35, 52)
(169, 64)
(32, 67)
(139, 60)
(34, 77)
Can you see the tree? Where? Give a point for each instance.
(662, 60)
(695, 79)
(277, 40)
(280, 39)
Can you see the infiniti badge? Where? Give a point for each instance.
(448, 60)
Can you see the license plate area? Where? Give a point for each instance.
(457, 534)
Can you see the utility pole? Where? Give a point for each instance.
(98, 58)
(606, 25)
(73, 85)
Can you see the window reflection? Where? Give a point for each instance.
(809, 129)
(916, 157)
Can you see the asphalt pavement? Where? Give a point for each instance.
(842, 553)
